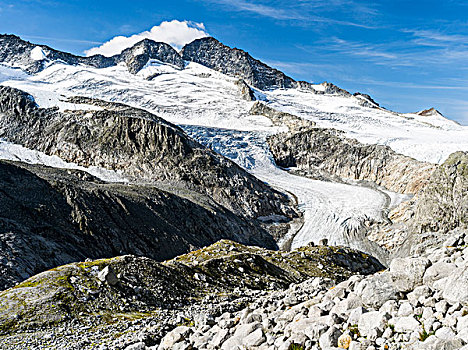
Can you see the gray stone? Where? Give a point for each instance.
(376, 290)
(107, 275)
(407, 273)
(136, 346)
(406, 324)
(438, 271)
(456, 288)
(405, 309)
(176, 335)
(329, 338)
(372, 321)
(255, 338)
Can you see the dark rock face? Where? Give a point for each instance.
(17, 52)
(443, 204)
(245, 92)
(144, 147)
(211, 53)
(325, 152)
(366, 100)
(50, 217)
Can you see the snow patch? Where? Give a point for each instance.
(15, 152)
(38, 54)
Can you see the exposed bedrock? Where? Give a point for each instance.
(327, 152)
(210, 53)
(51, 216)
(142, 146)
(442, 205)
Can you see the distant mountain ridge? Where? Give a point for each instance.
(208, 52)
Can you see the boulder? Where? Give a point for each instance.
(437, 272)
(372, 323)
(407, 273)
(376, 290)
(456, 288)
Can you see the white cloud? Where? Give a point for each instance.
(174, 33)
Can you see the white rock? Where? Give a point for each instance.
(407, 273)
(440, 270)
(456, 288)
(405, 309)
(107, 274)
(406, 324)
(372, 321)
(376, 290)
(255, 338)
(445, 333)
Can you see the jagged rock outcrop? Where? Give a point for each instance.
(326, 152)
(138, 55)
(279, 118)
(245, 91)
(222, 277)
(366, 100)
(210, 53)
(142, 146)
(50, 217)
(430, 112)
(33, 58)
(442, 204)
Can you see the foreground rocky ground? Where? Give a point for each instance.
(116, 302)
(228, 296)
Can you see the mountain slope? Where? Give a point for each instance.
(51, 217)
(140, 145)
(208, 106)
(210, 53)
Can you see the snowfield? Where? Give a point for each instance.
(18, 153)
(209, 107)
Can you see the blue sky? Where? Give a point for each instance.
(409, 55)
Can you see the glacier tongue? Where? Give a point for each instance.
(208, 104)
(330, 210)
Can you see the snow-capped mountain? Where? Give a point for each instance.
(158, 199)
(207, 89)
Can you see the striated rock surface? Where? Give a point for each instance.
(443, 204)
(326, 152)
(51, 217)
(210, 53)
(140, 145)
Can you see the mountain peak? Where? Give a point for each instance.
(430, 112)
(234, 62)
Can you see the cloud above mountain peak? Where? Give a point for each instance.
(175, 33)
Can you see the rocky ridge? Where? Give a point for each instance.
(104, 295)
(327, 153)
(210, 53)
(33, 58)
(145, 148)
